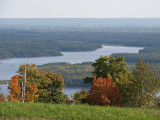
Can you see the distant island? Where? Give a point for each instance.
(48, 37)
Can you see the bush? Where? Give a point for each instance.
(80, 96)
(2, 97)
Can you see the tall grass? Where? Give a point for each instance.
(11, 110)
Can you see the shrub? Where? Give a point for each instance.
(2, 97)
(80, 96)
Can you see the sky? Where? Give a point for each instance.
(79, 8)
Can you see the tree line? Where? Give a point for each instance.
(112, 84)
(73, 74)
(50, 42)
(135, 89)
(40, 86)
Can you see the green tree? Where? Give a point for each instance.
(50, 89)
(144, 85)
(115, 69)
(79, 95)
(33, 75)
(106, 66)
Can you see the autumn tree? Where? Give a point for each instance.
(115, 68)
(49, 85)
(33, 79)
(31, 93)
(33, 75)
(144, 86)
(15, 89)
(104, 92)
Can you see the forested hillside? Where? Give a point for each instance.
(73, 74)
(48, 37)
(151, 54)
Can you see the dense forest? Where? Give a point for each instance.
(150, 53)
(48, 37)
(73, 74)
(52, 43)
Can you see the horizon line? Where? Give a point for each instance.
(83, 18)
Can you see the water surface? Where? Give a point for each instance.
(8, 67)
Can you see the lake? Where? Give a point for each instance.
(67, 90)
(8, 67)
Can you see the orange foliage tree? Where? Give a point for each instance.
(15, 89)
(104, 92)
(31, 93)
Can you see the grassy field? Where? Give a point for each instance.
(17, 111)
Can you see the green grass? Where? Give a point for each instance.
(11, 110)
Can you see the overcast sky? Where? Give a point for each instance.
(79, 8)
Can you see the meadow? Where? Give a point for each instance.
(17, 111)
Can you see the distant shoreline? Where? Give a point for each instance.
(5, 82)
(118, 45)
